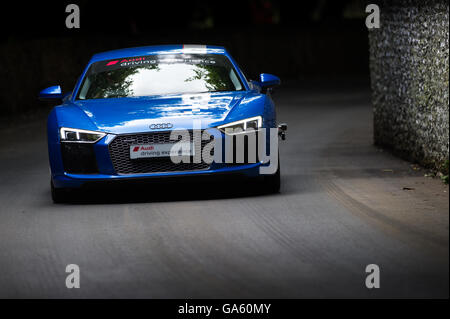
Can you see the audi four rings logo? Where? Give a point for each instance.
(161, 126)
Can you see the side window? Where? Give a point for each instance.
(235, 80)
(84, 89)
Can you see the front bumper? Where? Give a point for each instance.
(107, 173)
(67, 180)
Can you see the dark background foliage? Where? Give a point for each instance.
(294, 40)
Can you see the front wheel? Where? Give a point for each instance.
(272, 183)
(59, 195)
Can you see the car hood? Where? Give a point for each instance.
(136, 114)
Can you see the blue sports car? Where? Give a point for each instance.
(162, 111)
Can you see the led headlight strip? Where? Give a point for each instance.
(79, 136)
(242, 126)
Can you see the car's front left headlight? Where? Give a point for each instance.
(242, 126)
(79, 136)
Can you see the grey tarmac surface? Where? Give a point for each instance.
(344, 204)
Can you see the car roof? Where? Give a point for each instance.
(158, 49)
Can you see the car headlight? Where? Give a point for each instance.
(80, 136)
(242, 126)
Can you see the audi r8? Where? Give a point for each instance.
(119, 121)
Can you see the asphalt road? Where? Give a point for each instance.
(344, 204)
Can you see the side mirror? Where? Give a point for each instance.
(51, 93)
(268, 80)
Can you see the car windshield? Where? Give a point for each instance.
(159, 74)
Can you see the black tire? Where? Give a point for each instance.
(272, 183)
(59, 195)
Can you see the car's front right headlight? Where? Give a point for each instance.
(79, 136)
(242, 126)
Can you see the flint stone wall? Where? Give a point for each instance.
(409, 67)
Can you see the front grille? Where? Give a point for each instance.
(119, 151)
